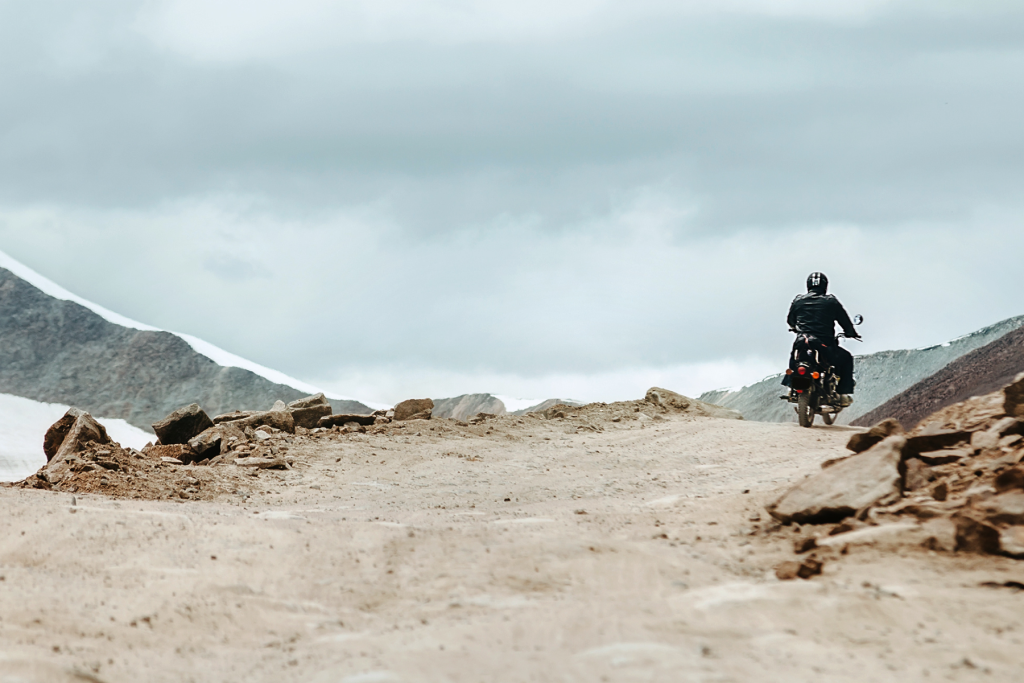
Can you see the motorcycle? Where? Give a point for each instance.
(813, 382)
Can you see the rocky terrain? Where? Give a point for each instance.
(954, 483)
(653, 540)
(880, 377)
(977, 373)
(58, 351)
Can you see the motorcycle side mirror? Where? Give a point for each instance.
(858, 319)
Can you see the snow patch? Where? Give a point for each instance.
(23, 423)
(214, 353)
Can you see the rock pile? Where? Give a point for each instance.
(954, 483)
(199, 458)
(203, 440)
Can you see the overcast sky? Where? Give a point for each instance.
(395, 198)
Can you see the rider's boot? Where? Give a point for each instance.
(845, 400)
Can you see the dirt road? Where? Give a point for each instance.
(519, 550)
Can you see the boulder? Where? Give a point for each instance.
(414, 409)
(787, 571)
(83, 430)
(840, 491)
(1013, 395)
(864, 440)
(278, 419)
(342, 420)
(306, 412)
(670, 400)
(213, 442)
(182, 425)
(58, 431)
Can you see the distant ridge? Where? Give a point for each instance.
(880, 377)
(977, 373)
(56, 350)
(466, 406)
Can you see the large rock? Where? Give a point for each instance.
(58, 431)
(278, 419)
(864, 440)
(670, 400)
(306, 412)
(857, 482)
(214, 441)
(182, 425)
(1013, 404)
(83, 429)
(342, 420)
(414, 409)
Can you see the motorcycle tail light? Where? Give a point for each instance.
(816, 375)
(802, 370)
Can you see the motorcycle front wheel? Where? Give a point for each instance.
(804, 411)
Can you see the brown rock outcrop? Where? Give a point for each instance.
(182, 425)
(840, 491)
(306, 412)
(84, 430)
(414, 409)
(214, 441)
(58, 431)
(865, 440)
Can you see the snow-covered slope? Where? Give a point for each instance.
(23, 423)
(214, 353)
(56, 347)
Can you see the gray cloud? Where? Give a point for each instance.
(499, 196)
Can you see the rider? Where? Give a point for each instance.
(815, 314)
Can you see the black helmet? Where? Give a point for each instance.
(818, 283)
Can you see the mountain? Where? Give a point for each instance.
(880, 377)
(547, 404)
(977, 373)
(466, 406)
(58, 348)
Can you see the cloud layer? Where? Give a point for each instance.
(428, 198)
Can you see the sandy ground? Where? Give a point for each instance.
(522, 550)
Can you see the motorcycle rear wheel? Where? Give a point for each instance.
(828, 418)
(804, 411)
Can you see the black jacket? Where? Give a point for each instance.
(817, 315)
